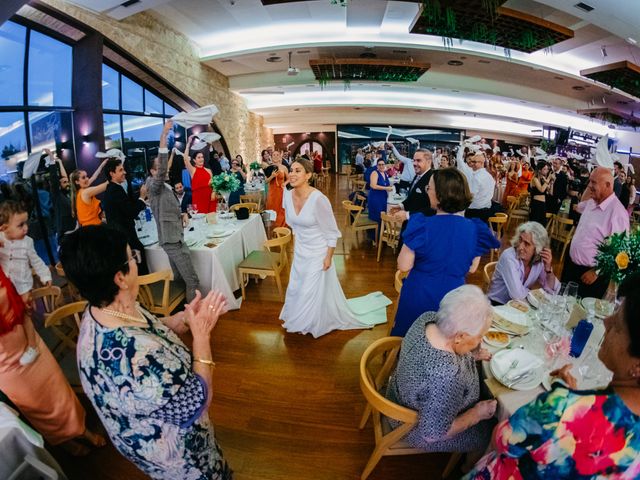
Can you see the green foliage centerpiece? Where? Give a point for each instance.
(224, 184)
(619, 256)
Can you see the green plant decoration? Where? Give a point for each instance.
(619, 256)
(225, 183)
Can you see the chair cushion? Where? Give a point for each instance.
(175, 290)
(260, 259)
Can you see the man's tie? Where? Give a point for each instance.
(416, 179)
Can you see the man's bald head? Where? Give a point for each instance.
(600, 184)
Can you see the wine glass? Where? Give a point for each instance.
(570, 293)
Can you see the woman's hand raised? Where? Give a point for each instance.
(202, 313)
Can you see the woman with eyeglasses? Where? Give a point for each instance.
(151, 392)
(85, 207)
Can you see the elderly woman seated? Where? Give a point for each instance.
(151, 393)
(526, 263)
(437, 376)
(568, 433)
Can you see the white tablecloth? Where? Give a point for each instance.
(510, 400)
(217, 267)
(17, 440)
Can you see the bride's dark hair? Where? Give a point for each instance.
(306, 164)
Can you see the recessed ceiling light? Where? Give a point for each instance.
(483, 61)
(632, 41)
(226, 60)
(455, 63)
(399, 51)
(463, 58)
(386, 85)
(558, 78)
(275, 59)
(584, 7)
(296, 109)
(368, 55)
(303, 51)
(578, 88)
(418, 111)
(357, 108)
(455, 91)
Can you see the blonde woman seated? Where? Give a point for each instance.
(437, 376)
(528, 262)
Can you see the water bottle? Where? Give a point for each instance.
(580, 337)
(147, 214)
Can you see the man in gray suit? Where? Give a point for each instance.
(169, 218)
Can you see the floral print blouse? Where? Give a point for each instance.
(141, 383)
(566, 434)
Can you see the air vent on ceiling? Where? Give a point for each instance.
(583, 6)
(302, 52)
(367, 55)
(128, 3)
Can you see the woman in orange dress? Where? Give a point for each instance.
(276, 181)
(511, 190)
(203, 197)
(39, 389)
(525, 178)
(85, 207)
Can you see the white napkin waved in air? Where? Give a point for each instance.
(201, 116)
(112, 153)
(603, 156)
(208, 137)
(31, 165)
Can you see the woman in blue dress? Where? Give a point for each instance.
(377, 198)
(439, 251)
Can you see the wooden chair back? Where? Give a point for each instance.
(384, 352)
(398, 280)
(49, 297)
(489, 269)
(562, 233)
(497, 225)
(278, 245)
(359, 200)
(389, 232)
(254, 197)
(251, 206)
(162, 304)
(64, 322)
(359, 185)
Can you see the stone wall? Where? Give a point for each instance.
(172, 56)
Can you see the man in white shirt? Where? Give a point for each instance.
(481, 185)
(408, 172)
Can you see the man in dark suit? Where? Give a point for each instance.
(417, 200)
(183, 195)
(558, 191)
(121, 209)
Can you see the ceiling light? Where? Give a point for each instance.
(558, 78)
(226, 60)
(455, 63)
(302, 52)
(632, 41)
(368, 55)
(274, 59)
(578, 88)
(483, 61)
(603, 50)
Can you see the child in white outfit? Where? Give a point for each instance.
(17, 257)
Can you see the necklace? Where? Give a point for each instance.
(124, 316)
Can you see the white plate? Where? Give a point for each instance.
(494, 343)
(506, 357)
(224, 233)
(533, 300)
(514, 316)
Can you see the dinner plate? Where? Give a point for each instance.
(510, 320)
(224, 233)
(496, 343)
(534, 297)
(500, 368)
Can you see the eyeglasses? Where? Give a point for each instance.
(135, 255)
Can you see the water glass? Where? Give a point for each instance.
(571, 289)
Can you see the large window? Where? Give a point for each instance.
(133, 120)
(36, 110)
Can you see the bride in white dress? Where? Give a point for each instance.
(315, 302)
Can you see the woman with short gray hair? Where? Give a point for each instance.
(527, 262)
(436, 375)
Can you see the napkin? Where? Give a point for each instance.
(501, 363)
(201, 116)
(112, 153)
(31, 165)
(208, 137)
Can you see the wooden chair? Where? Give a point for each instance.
(159, 294)
(72, 291)
(355, 222)
(359, 200)
(389, 232)
(551, 224)
(255, 197)
(389, 441)
(48, 297)
(280, 232)
(64, 322)
(489, 268)
(359, 185)
(269, 262)
(515, 213)
(251, 206)
(497, 225)
(351, 179)
(562, 234)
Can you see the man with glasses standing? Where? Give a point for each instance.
(169, 218)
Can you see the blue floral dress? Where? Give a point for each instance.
(141, 383)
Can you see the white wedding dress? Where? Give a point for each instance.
(315, 302)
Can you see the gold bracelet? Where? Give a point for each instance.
(206, 362)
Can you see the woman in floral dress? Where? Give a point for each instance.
(150, 391)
